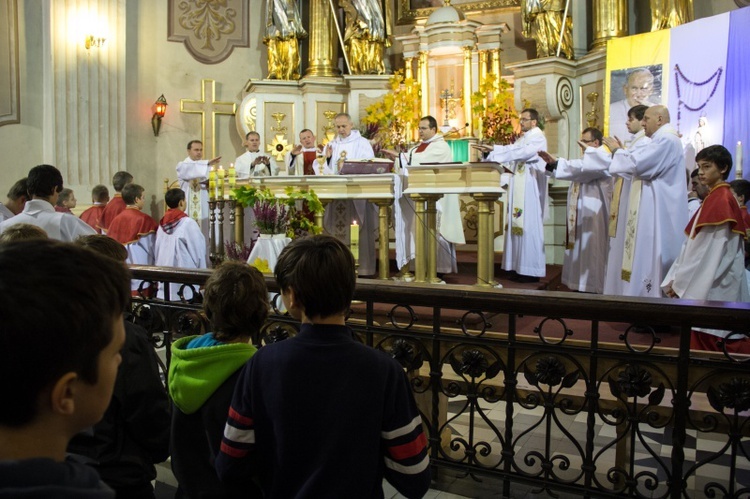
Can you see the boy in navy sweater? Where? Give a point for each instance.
(320, 414)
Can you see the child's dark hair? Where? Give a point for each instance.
(173, 197)
(64, 196)
(22, 232)
(45, 333)
(741, 187)
(104, 245)
(120, 180)
(235, 300)
(44, 181)
(718, 155)
(19, 189)
(320, 271)
(100, 193)
(131, 192)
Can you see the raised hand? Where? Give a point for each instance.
(547, 157)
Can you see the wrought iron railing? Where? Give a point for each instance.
(565, 392)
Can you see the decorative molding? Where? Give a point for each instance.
(210, 30)
(409, 13)
(9, 94)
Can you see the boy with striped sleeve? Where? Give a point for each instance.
(321, 414)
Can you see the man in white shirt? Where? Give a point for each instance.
(657, 204)
(44, 184)
(253, 163)
(523, 254)
(17, 197)
(350, 145)
(637, 90)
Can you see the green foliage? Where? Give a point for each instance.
(294, 213)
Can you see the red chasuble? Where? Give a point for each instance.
(131, 225)
(115, 206)
(719, 207)
(308, 157)
(93, 216)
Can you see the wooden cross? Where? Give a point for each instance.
(208, 106)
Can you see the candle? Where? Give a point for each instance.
(232, 180)
(220, 181)
(354, 238)
(212, 184)
(738, 160)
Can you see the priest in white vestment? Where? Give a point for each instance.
(432, 149)
(179, 241)
(657, 204)
(192, 173)
(350, 145)
(711, 263)
(527, 200)
(589, 194)
(254, 163)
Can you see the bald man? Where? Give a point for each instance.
(637, 91)
(657, 204)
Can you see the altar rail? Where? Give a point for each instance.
(471, 378)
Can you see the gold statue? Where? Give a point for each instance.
(283, 32)
(543, 21)
(366, 36)
(667, 14)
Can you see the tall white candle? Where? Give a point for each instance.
(738, 159)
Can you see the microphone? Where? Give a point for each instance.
(455, 131)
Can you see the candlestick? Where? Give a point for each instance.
(232, 180)
(738, 160)
(354, 240)
(220, 181)
(211, 184)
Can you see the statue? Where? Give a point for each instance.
(283, 32)
(366, 36)
(667, 14)
(543, 21)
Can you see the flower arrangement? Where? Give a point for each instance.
(499, 116)
(292, 215)
(237, 251)
(388, 119)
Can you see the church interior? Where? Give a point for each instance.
(100, 86)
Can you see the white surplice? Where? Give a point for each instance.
(662, 211)
(364, 212)
(5, 213)
(585, 263)
(184, 247)
(60, 226)
(613, 276)
(141, 252)
(193, 176)
(245, 169)
(450, 226)
(524, 253)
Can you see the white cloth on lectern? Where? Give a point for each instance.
(524, 253)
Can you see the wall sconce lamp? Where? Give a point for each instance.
(160, 109)
(94, 41)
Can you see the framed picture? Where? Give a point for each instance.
(410, 10)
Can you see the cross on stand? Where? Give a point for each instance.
(209, 107)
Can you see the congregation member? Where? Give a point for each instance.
(62, 333)
(711, 263)
(15, 200)
(133, 435)
(350, 145)
(66, 201)
(432, 149)
(589, 195)
(116, 205)
(523, 254)
(302, 158)
(657, 204)
(192, 173)
(373, 417)
(618, 208)
(203, 374)
(179, 241)
(22, 232)
(93, 214)
(135, 230)
(637, 90)
(254, 163)
(44, 184)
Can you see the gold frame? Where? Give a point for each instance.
(406, 15)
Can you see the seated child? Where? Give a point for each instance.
(179, 241)
(711, 264)
(321, 414)
(59, 355)
(203, 373)
(133, 435)
(22, 232)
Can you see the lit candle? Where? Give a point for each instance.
(738, 160)
(220, 181)
(354, 238)
(212, 184)
(232, 180)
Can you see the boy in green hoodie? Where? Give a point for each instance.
(203, 373)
